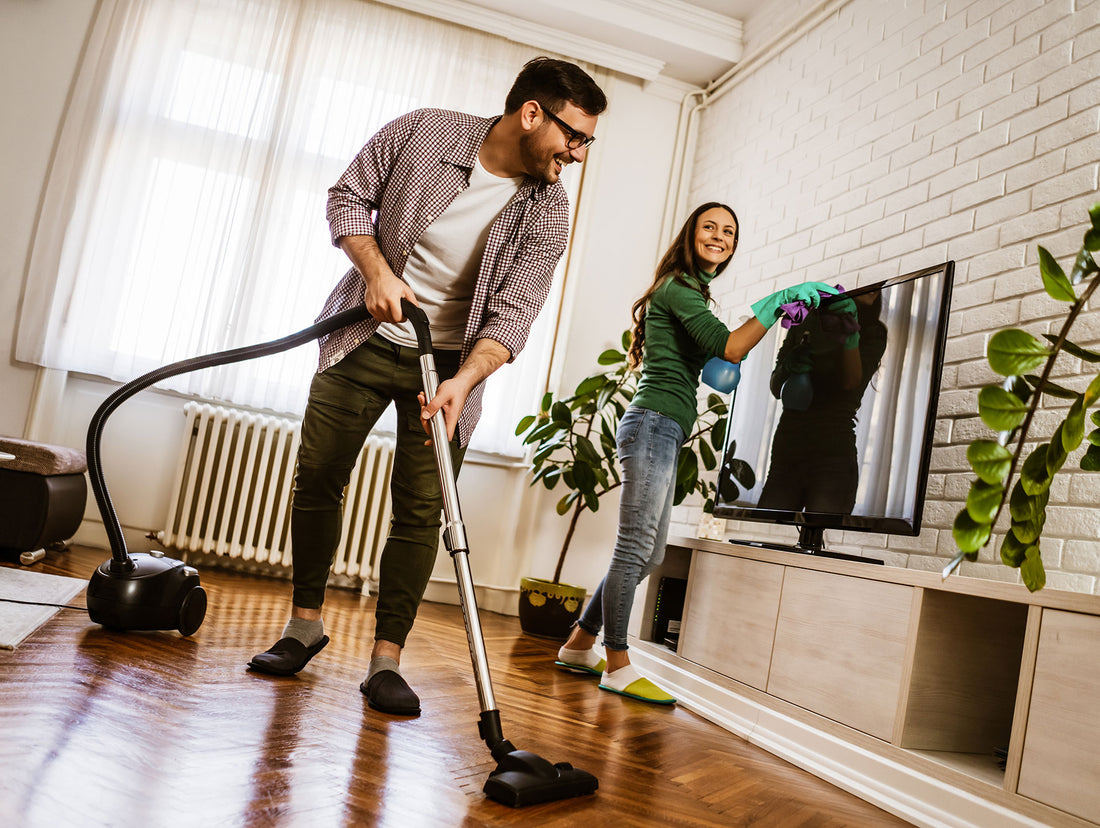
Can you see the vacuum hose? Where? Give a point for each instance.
(120, 560)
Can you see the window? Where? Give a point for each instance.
(185, 212)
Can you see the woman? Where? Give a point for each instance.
(675, 333)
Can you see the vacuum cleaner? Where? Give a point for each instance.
(148, 591)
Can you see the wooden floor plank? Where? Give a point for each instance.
(152, 729)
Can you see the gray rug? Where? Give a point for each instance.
(17, 621)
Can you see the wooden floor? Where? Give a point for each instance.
(152, 729)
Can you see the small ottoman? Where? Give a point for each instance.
(43, 492)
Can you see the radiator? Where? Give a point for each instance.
(232, 490)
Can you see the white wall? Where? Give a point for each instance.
(897, 135)
(39, 46)
(513, 529)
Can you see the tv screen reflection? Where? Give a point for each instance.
(834, 416)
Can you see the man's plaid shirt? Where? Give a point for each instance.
(398, 184)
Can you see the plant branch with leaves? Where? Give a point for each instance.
(1009, 409)
(574, 441)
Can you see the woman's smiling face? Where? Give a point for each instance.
(715, 237)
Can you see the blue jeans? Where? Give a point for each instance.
(649, 447)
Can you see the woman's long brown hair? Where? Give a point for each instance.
(679, 262)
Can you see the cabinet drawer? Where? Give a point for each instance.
(840, 648)
(1060, 764)
(729, 623)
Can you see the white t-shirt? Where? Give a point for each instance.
(442, 268)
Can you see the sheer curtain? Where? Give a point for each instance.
(184, 212)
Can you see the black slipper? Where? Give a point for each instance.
(387, 691)
(286, 657)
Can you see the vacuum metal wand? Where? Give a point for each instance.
(454, 536)
(521, 777)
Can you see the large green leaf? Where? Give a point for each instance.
(1054, 278)
(627, 338)
(1001, 410)
(611, 356)
(1013, 551)
(550, 432)
(1092, 393)
(1056, 451)
(1013, 351)
(1029, 531)
(584, 478)
(551, 477)
(592, 501)
(984, 500)
(707, 456)
(587, 452)
(560, 414)
(1073, 349)
(1083, 266)
(1033, 474)
(1023, 506)
(1051, 388)
(687, 467)
(1091, 459)
(1031, 570)
(969, 535)
(718, 433)
(1073, 429)
(989, 459)
(525, 423)
(545, 451)
(590, 385)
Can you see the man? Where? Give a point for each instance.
(466, 218)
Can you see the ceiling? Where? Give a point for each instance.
(679, 41)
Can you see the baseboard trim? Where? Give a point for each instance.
(904, 791)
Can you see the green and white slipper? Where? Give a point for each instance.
(627, 682)
(581, 661)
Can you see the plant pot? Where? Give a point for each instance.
(547, 609)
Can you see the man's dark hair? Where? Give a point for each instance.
(555, 83)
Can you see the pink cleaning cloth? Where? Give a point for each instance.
(793, 314)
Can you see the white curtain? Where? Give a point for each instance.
(184, 211)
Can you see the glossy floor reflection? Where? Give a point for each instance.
(151, 729)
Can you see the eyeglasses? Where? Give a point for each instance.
(573, 138)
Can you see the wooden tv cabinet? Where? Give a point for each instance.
(946, 702)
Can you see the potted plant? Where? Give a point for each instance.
(573, 440)
(1009, 409)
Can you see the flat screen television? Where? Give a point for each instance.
(832, 422)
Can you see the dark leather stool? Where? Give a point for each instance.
(43, 492)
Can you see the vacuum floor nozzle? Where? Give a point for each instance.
(522, 778)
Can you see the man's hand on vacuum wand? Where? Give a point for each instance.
(382, 291)
(486, 357)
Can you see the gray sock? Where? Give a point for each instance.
(308, 632)
(380, 663)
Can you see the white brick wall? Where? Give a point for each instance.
(896, 135)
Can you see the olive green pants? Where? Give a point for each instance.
(345, 402)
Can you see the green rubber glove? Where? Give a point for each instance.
(767, 309)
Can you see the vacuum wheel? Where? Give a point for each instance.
(192, 611)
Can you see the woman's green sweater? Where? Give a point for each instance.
(681, 334)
